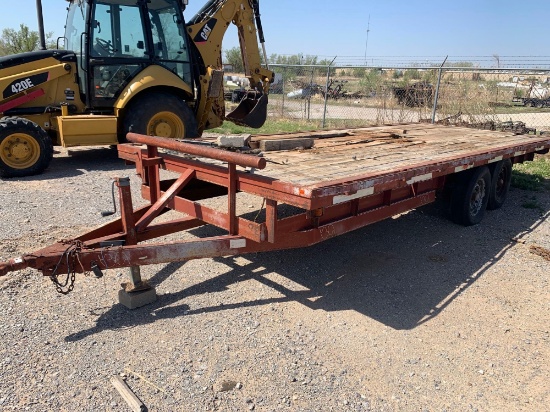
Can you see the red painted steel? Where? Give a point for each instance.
(153, 176)
(271, 219)
(232, 199)
(126, 211)
(163, 200)
(123, 256)
(22, 100)
(251, 183)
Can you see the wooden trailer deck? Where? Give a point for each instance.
(355, 154)
(353, 163)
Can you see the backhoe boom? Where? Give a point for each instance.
(207, 30)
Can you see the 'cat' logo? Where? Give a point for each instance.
(205, 32)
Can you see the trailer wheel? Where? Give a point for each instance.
(160, 114)
(25, 148)
(500, 184)
(470, 197)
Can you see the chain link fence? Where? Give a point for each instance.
(352, 96)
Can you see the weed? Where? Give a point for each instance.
(271, 126)
(533, 176)
(532, 203)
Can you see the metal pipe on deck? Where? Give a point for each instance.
(225, 156)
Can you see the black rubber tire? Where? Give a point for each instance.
(500, 184)
(34, 134)
(140, 112)
(470, 196)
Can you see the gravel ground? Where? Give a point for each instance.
(409, 314)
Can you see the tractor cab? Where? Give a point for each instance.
(114, 40)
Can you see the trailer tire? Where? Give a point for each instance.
(470, 196)
(160, 114)
(25, 148)
(500, 184)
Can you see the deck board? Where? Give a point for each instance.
(384, 149)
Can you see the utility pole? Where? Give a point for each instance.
(367, 42)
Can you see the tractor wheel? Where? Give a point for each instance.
(160, 114)
(470, 196)
(25, 148)
(500, 184)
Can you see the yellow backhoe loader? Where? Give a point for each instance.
(127, 65)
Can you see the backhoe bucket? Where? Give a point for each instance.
(250, 112)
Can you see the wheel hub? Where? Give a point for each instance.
(476, 201)
(163, 129)
(501, 182)
(166, 124)
(19, 151)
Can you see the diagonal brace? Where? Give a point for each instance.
(161, 203)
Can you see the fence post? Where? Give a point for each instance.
(326, 93)
(283, 101)
(436, 97)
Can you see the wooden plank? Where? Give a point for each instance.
(131, 399)
(312, 135)
(286, 144)
(346, 156)
(309, 169)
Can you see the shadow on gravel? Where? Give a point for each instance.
(80, 162)
(400, 272)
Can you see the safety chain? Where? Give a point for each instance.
(71, 257)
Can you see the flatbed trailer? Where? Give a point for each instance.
(347, 180)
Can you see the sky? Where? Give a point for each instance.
(424, 29)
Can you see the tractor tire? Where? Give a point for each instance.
(160, 114)
(25, 148)
(500, 184)
(470, 196)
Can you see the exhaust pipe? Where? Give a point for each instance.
(41, 33)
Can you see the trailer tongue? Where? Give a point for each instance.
(350, 178)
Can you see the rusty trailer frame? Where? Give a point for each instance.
(326, 208)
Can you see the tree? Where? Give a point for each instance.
(23, 40)
(234, 58)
